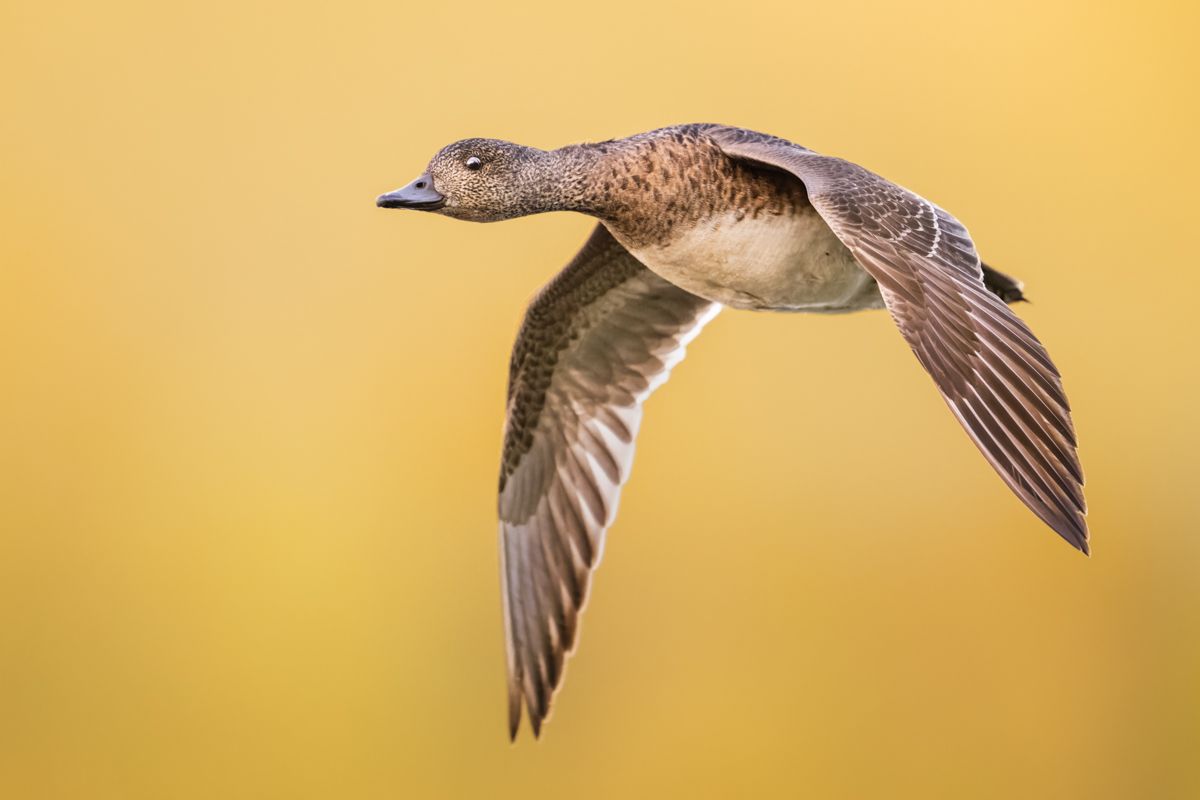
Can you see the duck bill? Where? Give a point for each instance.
(419, 195)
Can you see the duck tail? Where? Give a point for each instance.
(1008, 289)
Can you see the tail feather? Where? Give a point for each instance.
(1008, 289)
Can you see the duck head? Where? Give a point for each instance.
(482, 180)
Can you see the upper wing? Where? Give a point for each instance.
(595, 342)
(993, 372)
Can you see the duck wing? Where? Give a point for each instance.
(596, 341)
(994, 374)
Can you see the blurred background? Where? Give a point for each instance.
(250, 424)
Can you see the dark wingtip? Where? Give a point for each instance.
(514, 711)
(536, 718)
(1075, 533)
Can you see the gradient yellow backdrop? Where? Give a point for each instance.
(250, 423)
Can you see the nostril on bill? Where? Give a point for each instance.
(419, 184)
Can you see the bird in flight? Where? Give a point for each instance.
(691, 219)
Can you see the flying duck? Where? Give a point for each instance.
(693, 218)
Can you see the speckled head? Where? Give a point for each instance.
(481, 180)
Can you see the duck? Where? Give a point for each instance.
(692, 219)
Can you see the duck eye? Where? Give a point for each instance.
(474, 164)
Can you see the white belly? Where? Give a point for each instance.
(787, 263)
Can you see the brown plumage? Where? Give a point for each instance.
(594, 343)
(692, 218)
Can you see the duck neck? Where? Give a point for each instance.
(578, 178)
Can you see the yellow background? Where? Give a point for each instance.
(250, 423)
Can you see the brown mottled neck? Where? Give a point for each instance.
(578, 177)
(614, 179)
(648, 187)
